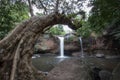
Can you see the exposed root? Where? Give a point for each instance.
(15, 60)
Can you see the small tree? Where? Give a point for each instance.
(11, 14)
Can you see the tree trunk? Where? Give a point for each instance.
(30, 8)
(17, 48)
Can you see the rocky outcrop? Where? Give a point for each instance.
(46, 44)
(50, 44)
(71, 69)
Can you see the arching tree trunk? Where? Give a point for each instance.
(17, 48)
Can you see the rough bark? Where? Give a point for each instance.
(14, 65)
(17, 48)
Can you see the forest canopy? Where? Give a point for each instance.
(103, 14)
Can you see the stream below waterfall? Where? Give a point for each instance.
(46, 62)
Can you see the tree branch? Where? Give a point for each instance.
(15, 60)
(45, 9)
(30, 8)
(56, 7)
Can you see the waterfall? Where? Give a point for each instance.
(61, 46)
(82, 54)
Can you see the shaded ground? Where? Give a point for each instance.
(46, 63)
(71, 69)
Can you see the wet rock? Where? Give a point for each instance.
(73, 46)
(116, 73)
(112, 57)
(99, 55)
(71, 69)
(36, 56)
(106, 54)
(76, 54)
(105, 75)
(95, 73)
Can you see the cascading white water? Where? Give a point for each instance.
(61, 46)
(82, 54)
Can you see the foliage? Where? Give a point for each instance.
(105, 17)
(69, 8)
(10, 14)
(103, 13)
(14, 11)
(85, 30)
(114, 31)
(56, 30)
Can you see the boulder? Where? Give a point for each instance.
(99, 55)
(105, 75)
(70, 69)
(116, 73)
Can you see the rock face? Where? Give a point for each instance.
(50, 44)
(116, 73)
(46, 44)
(71, 69)
(71, 47)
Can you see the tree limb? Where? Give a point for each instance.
(30, 8)
(45, 9)
(16, 57)
(56, 7)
